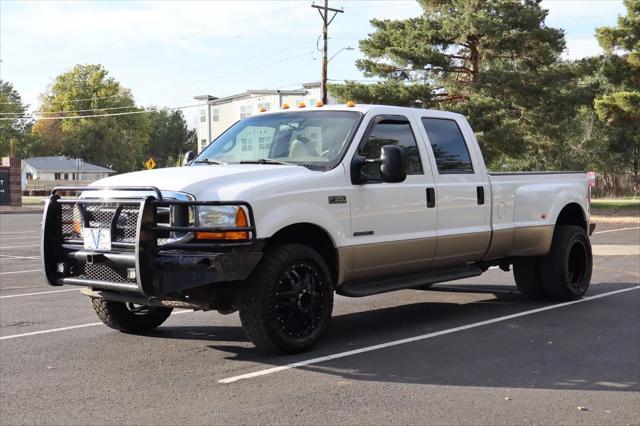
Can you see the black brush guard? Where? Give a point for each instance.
(159, 269)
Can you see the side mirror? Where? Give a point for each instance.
(188, 158)
(393, 167)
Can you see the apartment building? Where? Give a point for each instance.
(215, 115)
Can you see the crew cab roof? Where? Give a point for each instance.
(364, 108)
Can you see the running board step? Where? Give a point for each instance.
(369, 288)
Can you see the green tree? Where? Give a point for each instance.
(117, 141)
(169, 137)
(14, 128)
(619, 107)
(493, 60)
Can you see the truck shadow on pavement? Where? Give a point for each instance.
(586, 346)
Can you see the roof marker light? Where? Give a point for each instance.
(301, 105)
(285, 106)
(262, 109)
(351, 104)
(319, 104)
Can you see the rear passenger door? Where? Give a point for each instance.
(462, 194)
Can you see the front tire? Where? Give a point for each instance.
(287, 302)
(128, 317)
(566, 270)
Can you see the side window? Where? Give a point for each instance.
(448, 145)
(390, 132)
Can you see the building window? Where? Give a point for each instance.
(203, 115)
(312, 102)
(56, 176)
(203, 143)
(262, 143)
(215, 115)
(245, 111)
(66, 176)
(245, 144)
(265, 105)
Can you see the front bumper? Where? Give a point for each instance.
(139, 261)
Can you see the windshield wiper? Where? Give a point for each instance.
(265, 161)
(207, 161)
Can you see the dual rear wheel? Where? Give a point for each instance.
(563, 274)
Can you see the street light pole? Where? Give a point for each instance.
(336, 54)
(326, 21)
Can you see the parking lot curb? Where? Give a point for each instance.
(19, 210)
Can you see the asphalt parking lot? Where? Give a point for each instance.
(475, 354)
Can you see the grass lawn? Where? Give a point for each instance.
(616, 203)
(28, 200)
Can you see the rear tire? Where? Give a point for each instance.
(526, 272)
(129, 318)
(566, 269)
(287, 301)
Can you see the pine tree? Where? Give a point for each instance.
(620, 107)
(493, 60)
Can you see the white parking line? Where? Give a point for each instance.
(18, 238)
(8, 256)
(38, 293)
(616, 230)
(21, 232)
(12, 247)
(73, 327)
(416, 338)
(20, 272)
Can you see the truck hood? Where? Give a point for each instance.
(206, 180)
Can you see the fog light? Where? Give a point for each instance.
(62, 268)
(131, 273)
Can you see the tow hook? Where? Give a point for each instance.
(209, 262)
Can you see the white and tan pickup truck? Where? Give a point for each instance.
(288, 207)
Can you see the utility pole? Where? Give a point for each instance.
(326, 21)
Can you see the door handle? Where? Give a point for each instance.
(480, 194)
(431, 197)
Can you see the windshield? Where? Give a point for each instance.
(310, 138)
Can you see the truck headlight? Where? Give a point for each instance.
(221, 217)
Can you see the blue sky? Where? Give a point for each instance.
(167, 52)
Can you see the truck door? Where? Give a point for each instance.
(393, 230)
(462, 193)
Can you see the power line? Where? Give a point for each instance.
(67, 112)
(75, 117)
(290, 58)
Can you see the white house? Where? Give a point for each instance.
(43, 173)
(215, 115)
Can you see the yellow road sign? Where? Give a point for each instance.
(150, 164)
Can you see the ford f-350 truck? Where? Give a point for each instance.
(288, 207)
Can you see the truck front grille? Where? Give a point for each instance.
(76, 216)
(104, 272)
